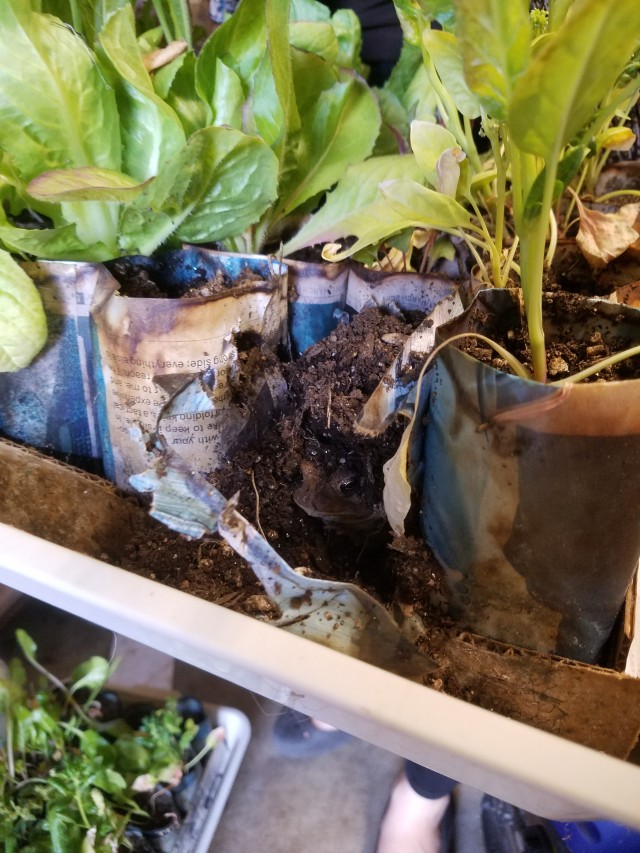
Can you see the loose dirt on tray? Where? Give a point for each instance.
(309, 483)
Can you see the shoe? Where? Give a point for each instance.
(295, 736)
(448, 827)
(508, 829)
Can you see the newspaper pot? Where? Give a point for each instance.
(51, 403)
(530, 493)
(317, 299)
(147, 349)
(316, 296)
(321, 295)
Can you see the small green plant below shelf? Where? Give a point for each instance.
(74, 777)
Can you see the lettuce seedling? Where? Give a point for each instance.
(88, 143)
(23, 326)
(292, 74)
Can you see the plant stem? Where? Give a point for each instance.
(9, 744)
(213, 739)
(501, 191)
(532, 225)
(493, 247)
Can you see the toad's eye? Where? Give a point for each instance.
(348, 484)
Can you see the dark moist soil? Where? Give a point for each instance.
(310, 484)
(136, 281)
(566, 353)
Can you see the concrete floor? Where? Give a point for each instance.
(329, 804)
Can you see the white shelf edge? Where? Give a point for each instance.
(540, 772)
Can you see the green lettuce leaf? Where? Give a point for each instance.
(339, 129)
(151, 131)
(444, 50)
(61, 243)
(175, 83)
(356, 206)
(87, 19)
(494, 40)
(56, 108)
(572, 72)
(219, 184)
(23, 326)
(85, 184)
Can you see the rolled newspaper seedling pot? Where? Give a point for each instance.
(51, 404)
(316, 296)
(530, 492)
(317, 299)
(146, 350)
(322, 295)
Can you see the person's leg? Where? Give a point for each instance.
(419, 815)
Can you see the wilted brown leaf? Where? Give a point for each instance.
(164, 55)
(605, 236)
(628, 294)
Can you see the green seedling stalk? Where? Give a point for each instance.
(76, 18)
(568, 214)
(553, 238)
(9, 742)
(518, 368)
(174, 19)
(470, 148)
(59, 685)
(492, 245)
(603, 199)
(83, 815)
(510, 263)
(533, 229)
(471, 245)
(213, 739)
(532, 255)
(501, 184)
(34, 780)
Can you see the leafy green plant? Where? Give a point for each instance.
(69, 780)
(88, 19)
(87, 144)
(291, 73)
(23, 326)
(542, 91)
(232, 145)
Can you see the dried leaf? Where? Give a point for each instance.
(397, 489)
(628, 294)
(164, 55)
(448, 171)
(605, 236)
